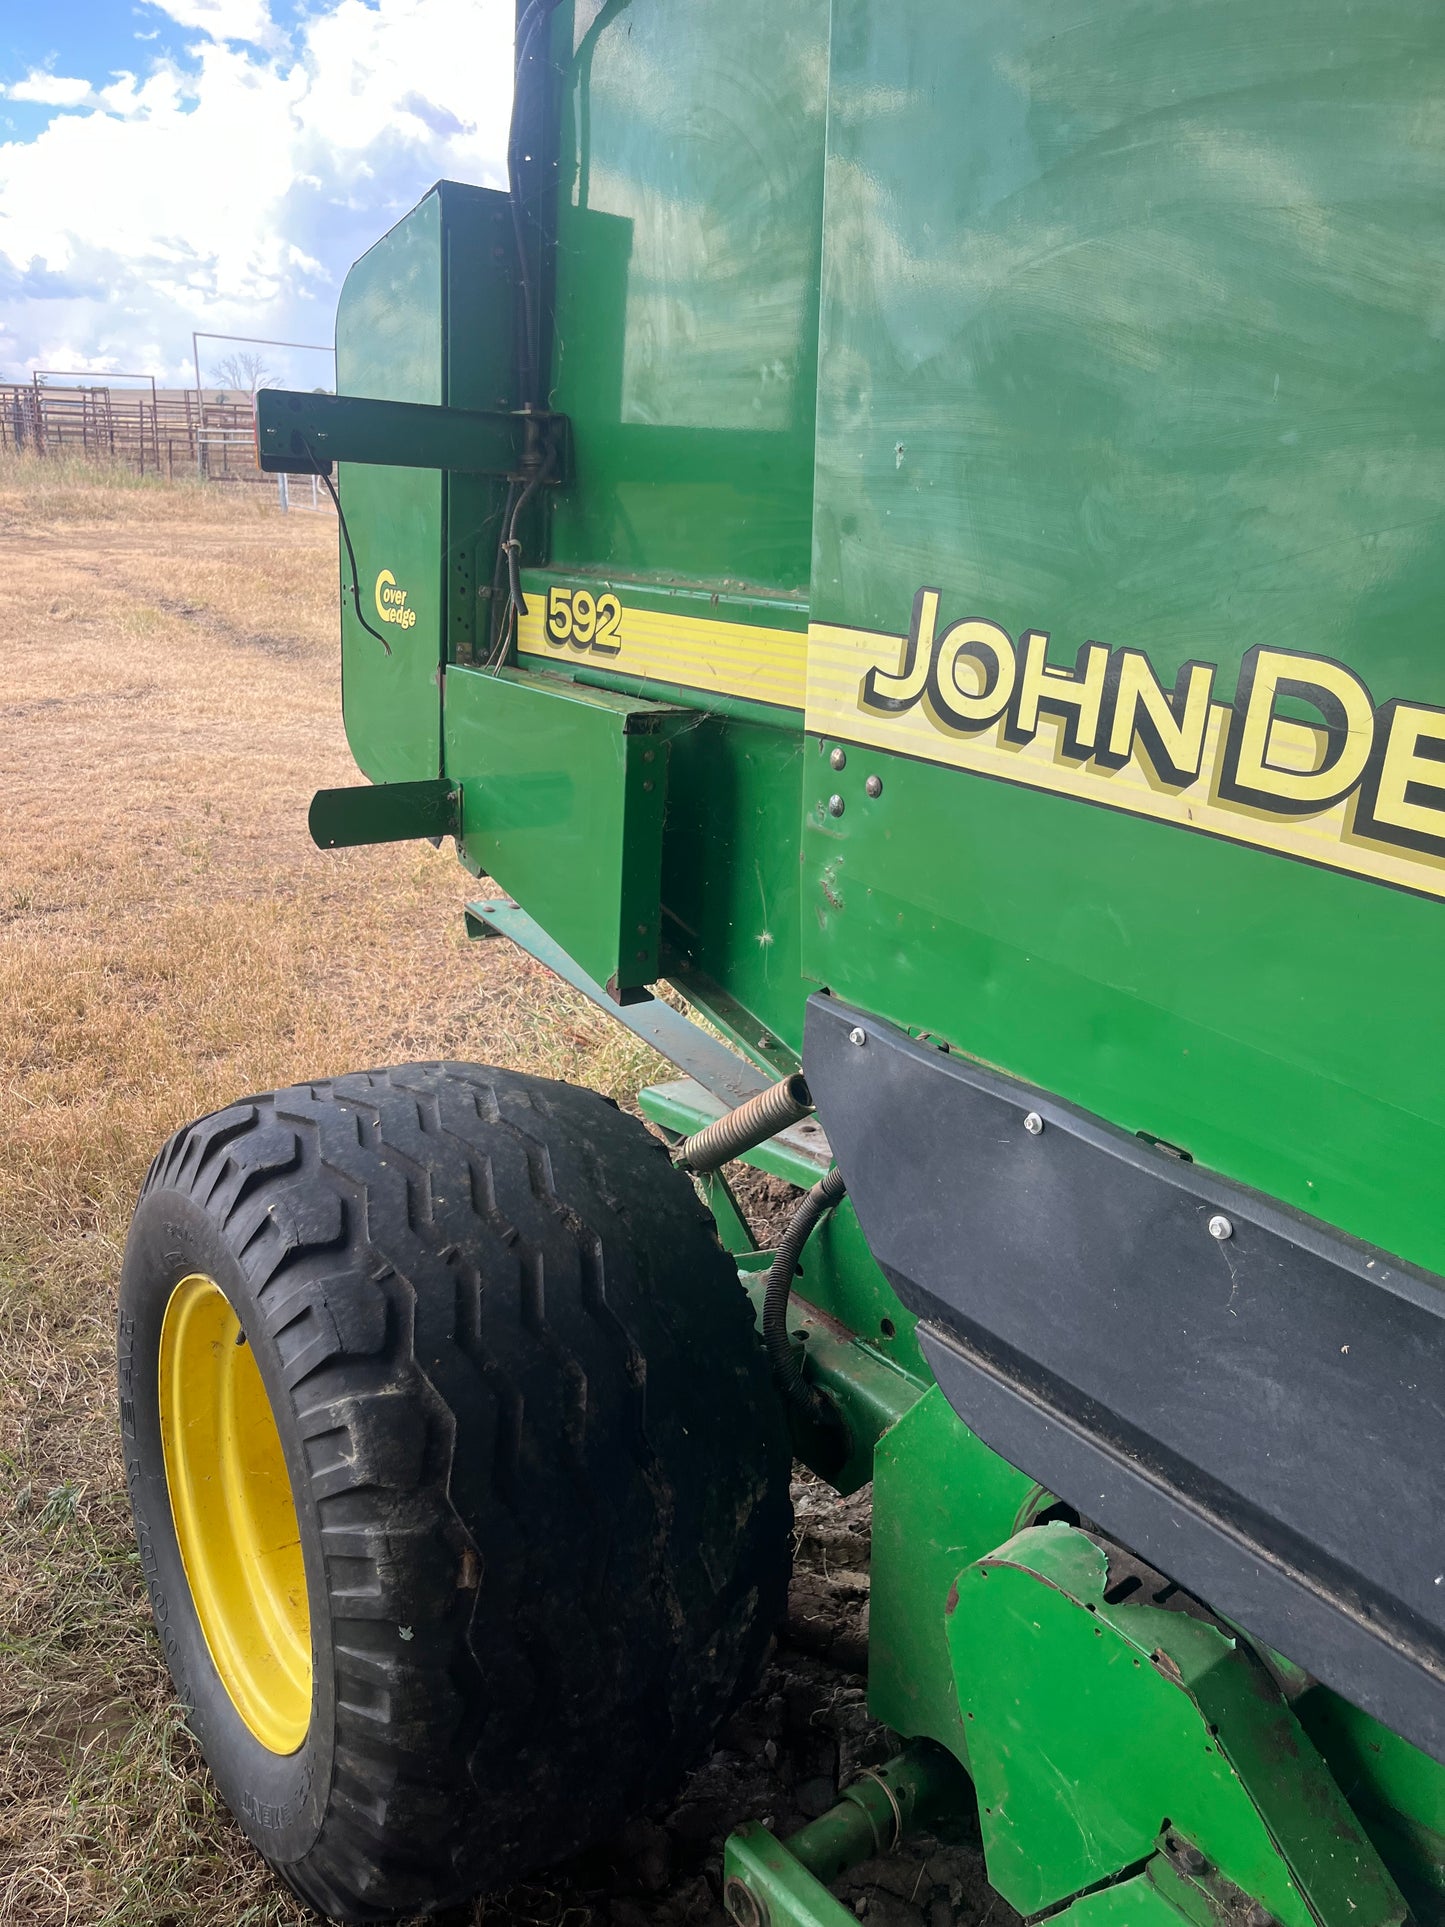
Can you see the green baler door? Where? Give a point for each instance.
(1131, 360)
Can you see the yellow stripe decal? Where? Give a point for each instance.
(1363, 793)
(723, 658)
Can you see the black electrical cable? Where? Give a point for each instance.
(350, 553)
(509, 551)
(497, 631)
(784, 1357)
(512, 547)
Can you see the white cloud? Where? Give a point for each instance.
(49, 90)
(230, 189)
(224, 19)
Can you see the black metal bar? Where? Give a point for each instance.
(302, 434)
(384, 813)
(1246, 1397)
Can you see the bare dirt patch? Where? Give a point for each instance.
(169, 939)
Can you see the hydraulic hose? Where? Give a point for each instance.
(750, 1125)
(528, 79)
(783, 1356)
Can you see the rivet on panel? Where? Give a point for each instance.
(839, 758)
(836, 806)
(874, 786)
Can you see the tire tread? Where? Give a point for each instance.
(368, 1213)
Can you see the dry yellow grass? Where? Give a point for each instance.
(169, 939)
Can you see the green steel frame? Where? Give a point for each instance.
(882, 335)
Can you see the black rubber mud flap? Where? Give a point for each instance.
(1245, 1397)
(540, 1473)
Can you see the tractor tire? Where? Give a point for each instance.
(460, 1484)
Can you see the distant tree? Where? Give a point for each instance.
(247, 372)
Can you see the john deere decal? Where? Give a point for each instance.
(1360, 789)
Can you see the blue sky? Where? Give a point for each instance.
(218, 164)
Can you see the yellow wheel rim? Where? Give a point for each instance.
(234, 1514)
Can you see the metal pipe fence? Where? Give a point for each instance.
(150, 430)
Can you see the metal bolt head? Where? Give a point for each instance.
(836, 806)
(874, 786)
(743, 1904)
(1220, 1227)
(858, 1037)
(839, 758)
(1033, 1124)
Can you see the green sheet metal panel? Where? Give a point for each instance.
(735, 916)
(687, 289)
(1130, 1903)
(684, 353)
(1398, 1792)
(563, 795)
(734, 777)
(1096, 1724)
(425, 316)
(1131, 335)
(389, 347)
(480, 298)
(941, 1499)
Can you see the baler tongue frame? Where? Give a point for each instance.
(703, 498)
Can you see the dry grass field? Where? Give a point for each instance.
(169, 939)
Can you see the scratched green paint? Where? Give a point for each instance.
(1152, 1720)
(1131, 1903)
(1398, 1792)
(941, 1499)
(1142, 343)
(688, 233)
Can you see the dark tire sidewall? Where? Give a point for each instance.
(281, 1801)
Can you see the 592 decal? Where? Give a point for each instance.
(585, 621)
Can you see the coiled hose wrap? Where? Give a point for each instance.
(750, 1125)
